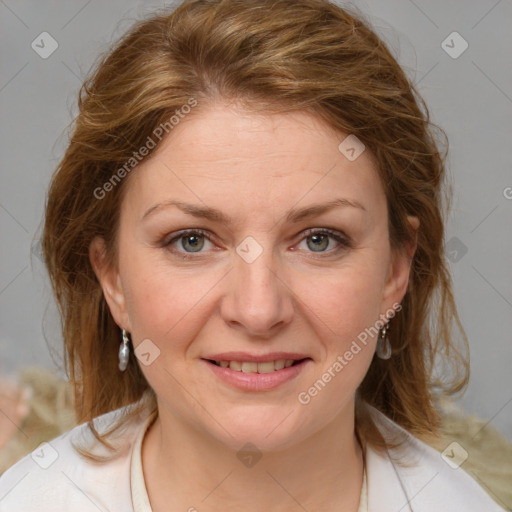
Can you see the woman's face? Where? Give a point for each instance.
(250, 285)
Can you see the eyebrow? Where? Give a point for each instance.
(214, 215)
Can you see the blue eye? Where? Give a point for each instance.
(317, 240)
(320, 239)
(191, 239)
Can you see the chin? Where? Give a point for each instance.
(269, 428)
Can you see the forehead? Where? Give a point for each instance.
(234, 160)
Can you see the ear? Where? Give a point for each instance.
(399, 271)
(110, 282)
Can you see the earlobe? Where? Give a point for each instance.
(398, 278)
(110, 282)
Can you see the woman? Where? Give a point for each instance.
(245, 238)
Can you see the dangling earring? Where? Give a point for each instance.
(124, 352)
(383, 344)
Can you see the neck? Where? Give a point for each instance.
(196, 472)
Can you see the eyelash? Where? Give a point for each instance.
(343, 240)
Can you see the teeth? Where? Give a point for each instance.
(249, 367)
(266, 367)
(279, 364)
(253, 367)
(235, 365)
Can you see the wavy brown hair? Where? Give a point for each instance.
(270, 56)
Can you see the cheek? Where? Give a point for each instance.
(345, 316)
(344, 301)
(344, 306)
(165, 303)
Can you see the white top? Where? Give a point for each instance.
(55, 478)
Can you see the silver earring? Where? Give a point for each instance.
(124, 352)
(383, 344)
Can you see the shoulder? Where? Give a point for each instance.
(56, 477)
(417, 478)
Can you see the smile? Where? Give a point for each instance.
(253, 367)
(256, 375)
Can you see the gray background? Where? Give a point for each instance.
(469, 96)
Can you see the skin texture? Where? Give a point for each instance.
(302, 294)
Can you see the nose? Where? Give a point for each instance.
(259, 301)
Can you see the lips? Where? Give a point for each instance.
(252, 357)
(256, 363)
(256, 372)
(254, 381)
(255, 367)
